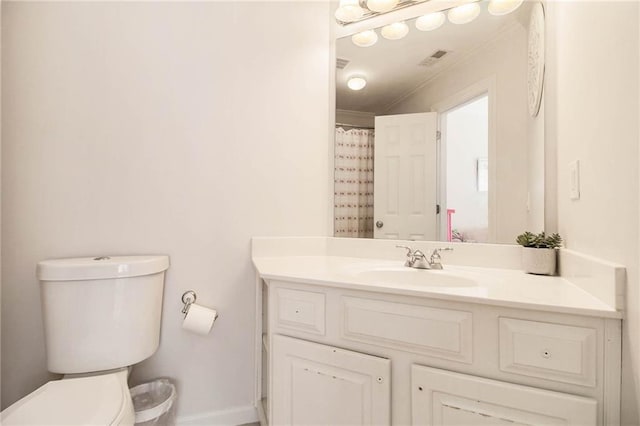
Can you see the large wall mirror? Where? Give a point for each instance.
(434, 137)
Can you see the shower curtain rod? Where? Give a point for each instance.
(355, 127)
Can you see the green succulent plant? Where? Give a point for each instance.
(541, 240)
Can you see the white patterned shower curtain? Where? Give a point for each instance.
(353, 183)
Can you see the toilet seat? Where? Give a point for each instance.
(94, 400)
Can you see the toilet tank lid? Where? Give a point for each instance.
(100, 267)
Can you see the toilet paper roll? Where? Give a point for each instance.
(199, 319)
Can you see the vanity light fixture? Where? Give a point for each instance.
(464, 14)
(503, 7)
(365, 38)
(381, 6)
(395, 31)
(349, 11)
(430, 22)
(356, 83)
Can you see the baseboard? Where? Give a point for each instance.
(231, 417)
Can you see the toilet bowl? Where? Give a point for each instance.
(102, 399)
(101, 315)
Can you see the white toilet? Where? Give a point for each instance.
(101, 315)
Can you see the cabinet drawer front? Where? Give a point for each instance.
(440, 397)
(300, 310)
(549, 351)
(441, 333)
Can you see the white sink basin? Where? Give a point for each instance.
(422, 277)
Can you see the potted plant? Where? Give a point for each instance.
(539, 253)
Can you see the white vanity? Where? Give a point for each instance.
(365, 340)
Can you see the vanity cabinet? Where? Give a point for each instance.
(340, 356)
(445, 398)
(319, 384)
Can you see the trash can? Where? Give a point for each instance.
(154, 403)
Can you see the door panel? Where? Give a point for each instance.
(405, 176)
(316, 384)
(444, 398)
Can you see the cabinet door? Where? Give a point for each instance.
(315, 384)
(443, 398)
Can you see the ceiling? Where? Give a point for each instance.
(392, 68)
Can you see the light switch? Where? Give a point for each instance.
(574, 180)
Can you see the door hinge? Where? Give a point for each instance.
(437, 208)
(438, 135)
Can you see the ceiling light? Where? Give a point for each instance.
(381, 6)
(356, 83)
(503, 7)
(464, 14)
(395, 31)
(430, 22)
(349, 11)
(365, 38)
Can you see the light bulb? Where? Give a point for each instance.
(381, 6)
(464, 14)
(349, 11)
(365, 38)
(503, 7)
(395, 31)
(356, 83)
(430, 22)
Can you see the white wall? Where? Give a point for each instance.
(504, 59)
(536, 171)
(155, 127)
(466, 137)
(0, 202)
(595, 74)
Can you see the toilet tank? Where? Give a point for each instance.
(101, 313)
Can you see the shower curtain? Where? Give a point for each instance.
(353, 183)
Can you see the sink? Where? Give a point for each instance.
(421, 277)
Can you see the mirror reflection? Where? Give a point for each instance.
(434, 139)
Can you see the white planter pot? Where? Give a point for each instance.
(539, 261)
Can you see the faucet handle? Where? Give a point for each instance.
(436, 253)
(443, 249)
(409, 261)
(409, 249)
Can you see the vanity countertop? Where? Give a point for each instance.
(491, 286)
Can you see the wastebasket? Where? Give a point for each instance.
(154, 403)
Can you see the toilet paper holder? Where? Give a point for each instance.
(188, 297)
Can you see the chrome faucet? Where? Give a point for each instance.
(435, 261)
(417, 259)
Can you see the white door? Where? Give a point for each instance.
(444, 398)
(405, 177)
(316, 384)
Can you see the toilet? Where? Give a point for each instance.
(101, 316)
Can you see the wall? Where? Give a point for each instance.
(536, 170)
(158, 127)
(1, 7)
(538, 164)
(505, 59)
(594, 76)
(466, 133)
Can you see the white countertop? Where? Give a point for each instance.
(491, 286)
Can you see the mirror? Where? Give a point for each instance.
(439, 144)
